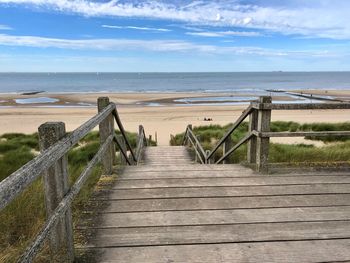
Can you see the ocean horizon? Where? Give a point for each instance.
(208, 82)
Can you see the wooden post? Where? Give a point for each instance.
(262, 153)
(196, 159)
(251, 147)
(189, 126)
(123, 147)
(209, 161)
(56, 186)
(226, 147)
(106, 128)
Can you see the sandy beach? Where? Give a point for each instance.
(160, 121)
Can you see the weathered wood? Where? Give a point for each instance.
(122, 131)
(185, 138)
(106, 128)
(229, 191)
(300, 106)
(14, 184)
(197, 146)
(170, 205)
(254, 252)
(229, 152)
(244, 115)
(228, 144)
(302, 134)
(140, 144)
(262, 148)
(122, 149)
(56, 186)
(220, 217)
(262, 232)
(234, 181)
(64, 204)
(252, 143)
(216, 203)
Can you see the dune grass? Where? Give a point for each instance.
(337, 148)
(23, 218)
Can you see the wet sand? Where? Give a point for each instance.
(165, 120)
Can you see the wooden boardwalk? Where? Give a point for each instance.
(171, 210)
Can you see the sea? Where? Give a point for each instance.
(235, 82)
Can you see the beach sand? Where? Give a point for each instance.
(163, 121)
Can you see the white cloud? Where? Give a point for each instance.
(313, 18)
(225, 34)
(137, 28)
(5, 27)
(152, 45)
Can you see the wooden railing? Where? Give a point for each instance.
(51, 163)
(258, 135)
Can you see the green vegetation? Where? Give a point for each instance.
(337, 148)
(24, 217)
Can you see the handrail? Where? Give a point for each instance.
(244, 115)
(300, 134)
(243, 140)
(300, 106)
(121, 148)
(18, 181)
(15, 183)
(31, 251)
(259, 129)
(122, 131)
(196, 144)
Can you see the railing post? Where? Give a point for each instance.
(262, 153)
(207, 152)
(226, 147)
(123, 148)
(189, 126)
(251, 147)
(56, 186)
(106, 128)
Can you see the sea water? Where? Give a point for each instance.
(236, 83)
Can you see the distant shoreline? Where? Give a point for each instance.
(140, 99)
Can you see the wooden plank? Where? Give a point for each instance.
(210, 174)
(238, 216)
(184, 167)
(229, 191)
(273, 252)
(200, 182)
(173, 204)
(179, 235)
(184, 174)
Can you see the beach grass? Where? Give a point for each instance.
(22, 219)
(336, 148)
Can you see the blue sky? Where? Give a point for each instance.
(178, 35)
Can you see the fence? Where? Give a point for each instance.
(52, 164)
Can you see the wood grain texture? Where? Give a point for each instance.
(171, 210)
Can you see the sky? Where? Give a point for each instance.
(174, 36)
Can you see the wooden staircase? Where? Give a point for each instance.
(169, 209)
